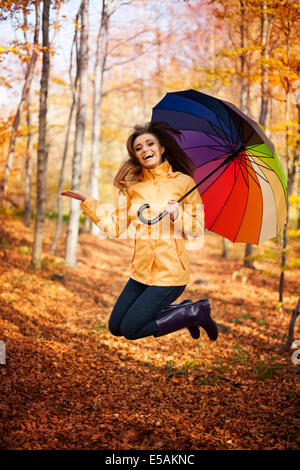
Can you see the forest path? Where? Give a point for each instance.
(69, 384)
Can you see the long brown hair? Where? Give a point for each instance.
(131, 169)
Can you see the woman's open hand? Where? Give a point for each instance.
(75, 195)
(172, 208)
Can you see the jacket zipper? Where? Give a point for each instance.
(151, 174)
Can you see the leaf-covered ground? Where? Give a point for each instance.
(69, 384)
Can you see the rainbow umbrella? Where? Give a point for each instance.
(238, 174)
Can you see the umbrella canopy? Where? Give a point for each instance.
(238, 174)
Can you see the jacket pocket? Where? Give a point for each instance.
(180, 256)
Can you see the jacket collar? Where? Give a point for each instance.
(164, 169)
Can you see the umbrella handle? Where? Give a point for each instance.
(149, 221)
(228, 159)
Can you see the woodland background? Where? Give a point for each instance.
(75, 77)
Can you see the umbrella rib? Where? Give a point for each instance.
(235, 165)
(231, 132)
(212, 160)
(238, 132)
(226, 144)
(230, 135)
(258, 174)
(214, 147)
(262, 166)
(198, 117)
(220, 211)
(260, 156)
(244, 211)
(246, 182)
(241, 122)
(223, 169)
(241, 162)
(211, 136)
(248, 172)
(252, 147)
(255, 145)
(222, 125)
(216, 129)
(233, 140)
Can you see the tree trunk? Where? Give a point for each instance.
(265, 29)
(248, 263)
(158, 62)
(293, 319)
(102, 42)
(225, 252)
(265, 33)
(28, 165)
(42, 160)
(292, 177)
(243, 97)
(73, 226)
(25, 91)
(243, 93)
(290, 168)
(66, 146)
(295, 157)
(61, 181)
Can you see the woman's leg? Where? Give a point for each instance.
(139, 321)
(130, 293)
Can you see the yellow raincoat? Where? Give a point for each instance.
(160, 255)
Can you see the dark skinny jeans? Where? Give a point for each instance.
(133, 315)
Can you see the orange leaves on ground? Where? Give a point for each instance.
(69, 384)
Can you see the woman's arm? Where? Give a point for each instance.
(114, 223)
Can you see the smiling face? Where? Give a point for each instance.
(148, 151)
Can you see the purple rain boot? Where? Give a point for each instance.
(194, 330)
(184, 315)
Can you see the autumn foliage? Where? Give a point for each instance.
(69, 384)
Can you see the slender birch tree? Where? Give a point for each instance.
(94, 173)
(73, 225)
(28, 163)
(42, 159)
(73, 83)
(265, 29)
(29, 143)
(248, 262)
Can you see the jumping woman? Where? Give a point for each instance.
(157, 172)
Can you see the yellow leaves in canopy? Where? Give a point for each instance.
(294, 200)
(77, 24)
(107, 164)
(4, 82)
(110, 134)
(4, 49)
(240, 51)
(59, 81)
